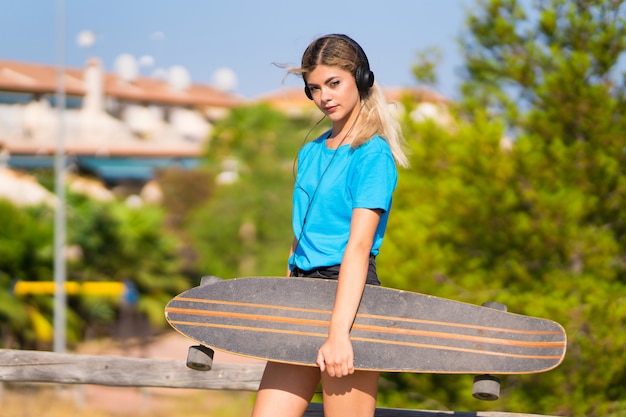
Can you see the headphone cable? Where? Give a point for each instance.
(312, 197)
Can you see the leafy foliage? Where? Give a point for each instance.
(537, 221)
(123, 243)
(424, 70)
(25, 254)
(110, 241)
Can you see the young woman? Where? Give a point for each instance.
(341, 201)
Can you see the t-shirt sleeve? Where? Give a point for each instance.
(374, 181)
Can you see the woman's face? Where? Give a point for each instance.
(334, 92)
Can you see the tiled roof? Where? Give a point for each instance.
(37, 78)
(153, 90)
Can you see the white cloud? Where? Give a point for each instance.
(85, 39)
(179, 78)
(157, 36)
(146, 61)
(126, 67)
(225, 79)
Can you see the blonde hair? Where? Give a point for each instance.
(375, 115)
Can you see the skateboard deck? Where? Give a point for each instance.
(286, 320)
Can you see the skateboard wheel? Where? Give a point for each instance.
(495, 305)
(486, 388)
(200, 358)
(209, 279)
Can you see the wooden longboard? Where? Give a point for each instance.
(286, 320)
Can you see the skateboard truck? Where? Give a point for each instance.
(209, 279)
(487, 387)
(200, 358)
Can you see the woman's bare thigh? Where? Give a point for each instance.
(350, 396)
(285, 390)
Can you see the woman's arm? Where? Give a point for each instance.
(336, 355)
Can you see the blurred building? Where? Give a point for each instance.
(121, 127)
(118, 127)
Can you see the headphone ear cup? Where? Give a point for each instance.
(358, 77)
(307, 91)
(369, 79)
(364, 78)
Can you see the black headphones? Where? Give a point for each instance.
(363, 76)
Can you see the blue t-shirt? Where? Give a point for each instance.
(329, 185)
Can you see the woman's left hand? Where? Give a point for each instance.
(336, 356)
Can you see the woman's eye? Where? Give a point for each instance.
(334, 83)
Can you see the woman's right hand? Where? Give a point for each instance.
(336, 356)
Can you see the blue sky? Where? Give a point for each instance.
(245, 37)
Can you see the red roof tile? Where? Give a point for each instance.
(37, 78)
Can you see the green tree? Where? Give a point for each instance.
(110, 241)
(124, 243)
(552, 72)
(536, 221)
(424, 70)
(25, 254)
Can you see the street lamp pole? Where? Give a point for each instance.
(59, 187)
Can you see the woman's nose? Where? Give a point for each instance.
(325, 93)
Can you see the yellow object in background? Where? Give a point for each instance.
(42, 327)
(104, 288)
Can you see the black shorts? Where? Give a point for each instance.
(332, 272)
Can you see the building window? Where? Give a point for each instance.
(71, 102)
(15, 98)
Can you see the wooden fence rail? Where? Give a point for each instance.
(37, 366)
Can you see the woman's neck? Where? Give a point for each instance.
(342, 130)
